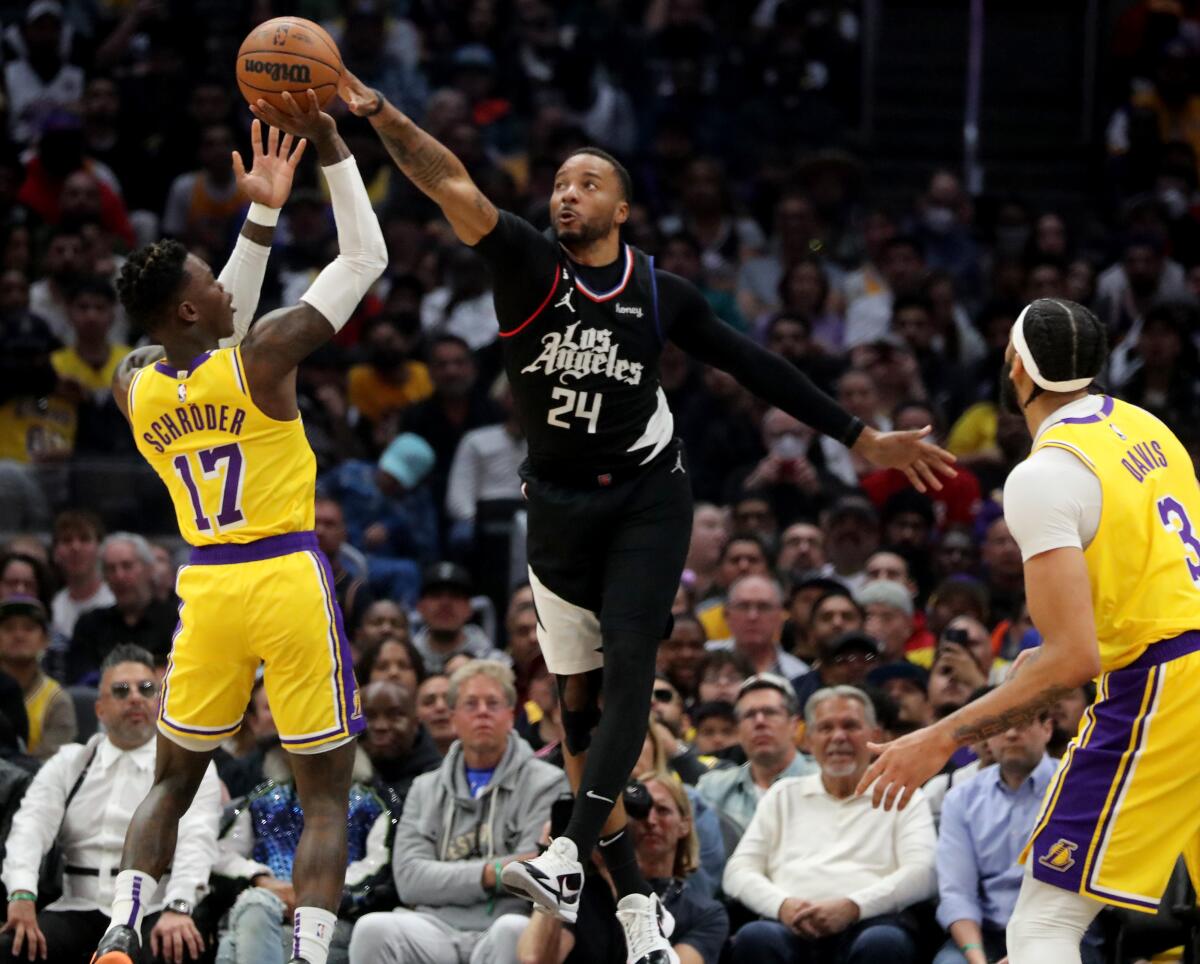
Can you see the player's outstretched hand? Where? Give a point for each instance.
(360, 98)
(919, 459)
(300, 116)
(903, 766)
(269, 180)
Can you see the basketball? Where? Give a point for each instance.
(288, 54)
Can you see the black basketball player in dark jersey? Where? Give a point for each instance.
(583, 319)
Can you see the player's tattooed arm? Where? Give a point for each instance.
(277, 343)
(425, 161)
(136, 359)
(1018, 716)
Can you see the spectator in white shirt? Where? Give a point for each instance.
(831, 875)
(40, 80)
(77, 536)
(84, 798)
(485, 466)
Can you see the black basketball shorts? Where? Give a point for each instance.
(606, 558)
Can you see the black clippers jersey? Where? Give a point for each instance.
(584, 374)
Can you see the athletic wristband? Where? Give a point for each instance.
(22, 895)
(970, 947)
(853, 431)
(379, 102)
(262, 215)
(498, 887)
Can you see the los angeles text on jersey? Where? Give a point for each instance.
(594, 353)
(185, 419)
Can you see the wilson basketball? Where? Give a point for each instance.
(288, 54)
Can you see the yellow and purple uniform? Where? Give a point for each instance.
(257, 587)
(1125, 802)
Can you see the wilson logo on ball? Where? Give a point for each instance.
(292, 73)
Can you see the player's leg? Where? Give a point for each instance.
(319, 871)
(1048, 923)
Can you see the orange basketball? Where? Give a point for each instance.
(288, 54)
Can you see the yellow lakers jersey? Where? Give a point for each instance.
(1144, 562)
(234, 473)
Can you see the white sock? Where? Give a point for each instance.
(131, 892)
(312, 930)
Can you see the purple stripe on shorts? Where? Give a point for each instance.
(355, 722)
(268, 548)
(1105, 411)
(1059, 852)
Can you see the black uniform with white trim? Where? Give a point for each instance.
(609, 499)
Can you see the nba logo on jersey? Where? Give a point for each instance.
(1060, 855)
(1121, 435)
(182, 392)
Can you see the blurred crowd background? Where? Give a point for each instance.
(873, 190)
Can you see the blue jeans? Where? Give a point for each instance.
(256, 934)
(875, 940)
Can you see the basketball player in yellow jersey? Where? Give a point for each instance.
(1106, 511)
(221, 428)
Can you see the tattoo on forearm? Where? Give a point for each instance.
(1018, 716)
(426, 162)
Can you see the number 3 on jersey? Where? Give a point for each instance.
(230, 516)
(1174, 519)
(576, 403)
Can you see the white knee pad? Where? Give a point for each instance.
(1048, 923)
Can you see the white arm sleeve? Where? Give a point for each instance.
(242, 277)
(362, 254)
(1052, 501)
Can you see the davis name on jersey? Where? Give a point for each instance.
(594, 353)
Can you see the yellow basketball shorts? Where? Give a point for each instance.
(270, 601)
(1125, 803)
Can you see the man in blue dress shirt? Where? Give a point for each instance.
(985, 823)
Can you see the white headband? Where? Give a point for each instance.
(1031, 366)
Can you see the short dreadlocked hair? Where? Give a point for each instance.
(1066, 340)
(622, 173)
(149, 279)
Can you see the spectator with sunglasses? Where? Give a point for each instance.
(83, 799)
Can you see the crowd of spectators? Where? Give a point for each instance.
(825, 604)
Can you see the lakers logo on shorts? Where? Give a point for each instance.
(1060, 856)
(357, 706)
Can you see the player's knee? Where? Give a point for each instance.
(577, 728)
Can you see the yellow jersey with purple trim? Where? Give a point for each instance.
(1144, 562)
(235, 474)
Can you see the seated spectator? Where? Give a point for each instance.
(743, 555)
(831, 875)
(381, 620)
(668, 854)
(722, 672)
(968, 644)
(485, 807)
(681, 654)
(485, 466)
(257, 855)
(520, 624)
(716, 730)
(766, 719)
(985, 823)
(83, 799)
(395, 660)
(434, 712)
(907, 684)
(889, 616)
(349, 580)
(23, 573)
(844, 660)
(41, 80)
(803, 595)
(801, 551)
(388, 380)
(755, 610)
(710, 532)
(851, 537)
(24, 636)
(242, 759)
(399, 747)
(137, 618)
(445, 608)
(203, 203)
(666, 707)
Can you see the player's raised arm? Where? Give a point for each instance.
(267, 184)
(282, 339)
(702, 334)
(424, 161)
